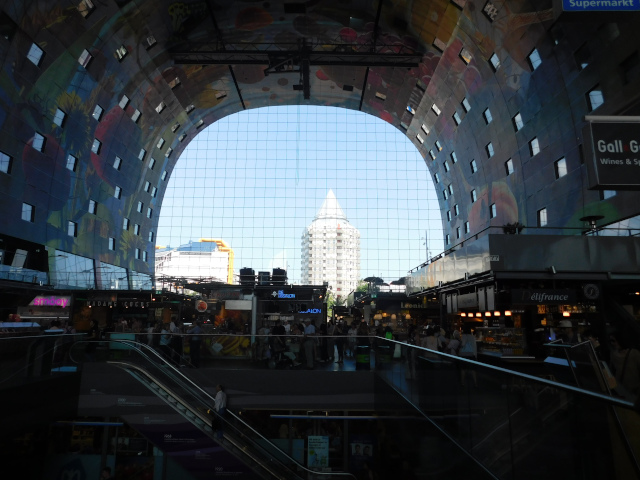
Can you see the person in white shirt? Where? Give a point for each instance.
(220, 407)
(309, 342)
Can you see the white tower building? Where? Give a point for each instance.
(331, 249)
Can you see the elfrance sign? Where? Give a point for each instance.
(543, 297)
(612, 150)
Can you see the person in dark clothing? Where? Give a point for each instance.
(195, 340)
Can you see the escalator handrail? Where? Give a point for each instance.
(143, 349)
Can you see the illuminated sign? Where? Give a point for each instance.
(600, 5)
(52, 301)
(312, 310)
(614, 152)
(281, 294)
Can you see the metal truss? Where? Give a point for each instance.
(279, 58)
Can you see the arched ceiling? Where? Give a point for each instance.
(162, 70)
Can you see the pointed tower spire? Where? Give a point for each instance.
(330, 209)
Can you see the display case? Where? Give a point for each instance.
(501, 341)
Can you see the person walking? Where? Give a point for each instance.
(220, 407)
(309, 342)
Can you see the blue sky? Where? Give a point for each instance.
(256, 179)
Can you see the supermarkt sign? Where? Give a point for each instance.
(600, 5)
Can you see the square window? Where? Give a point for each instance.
(542, 217)
(59, 117)
(456, 118)
(493, 211)
(595, 98)
(124, 101)
(435, 109)
(381, 96)
(72, 229)
(154, 192)
(425, 129)
(560, 167)
(489, 149)
(144, 256)
(583, 57)
(456, 209)
(220, 95)
(445, 194)
(136, 229)
(149, 42)
(432, 154)
(149, 212)
(6, 162)
(175, 127)
(85, 58)
(436, 177)
(174, 83)
(152, 163)
(201, 123)
(465, 56)
(508, 165)
(467, 227)
(534, 146)
(142, 153)
(411, 110)
(112, 243)
(446, 166)
(137, 254)
(140, 207)
(38, 142)
(487, 116)
(449, 215)
(495, 62)
(120, 53)
(164, 175)
(438, 146)
(97, 112)
(474, 166)
(28, 212)
(190, 108)
(517, 122)
(160, 143)
(465, 105)
(420, 139)
(168, 152)
(448, 239)
(35, 54)
(454, 157)
(534, 59)
(125, 224)
(93, 207)
(135, 116)
(95, 148)
(147, 186)
(85, 7)
(474, 196)
(604, 194)
(161, 106)
(458, 234)
(450, 188)
(117, 193)
(117, 163)
(151, 236)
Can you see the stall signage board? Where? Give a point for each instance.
(600, 5)
(50, 301)
(614, 152)
(543, 297)
(468, 300)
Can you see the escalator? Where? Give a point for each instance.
(234, 449)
